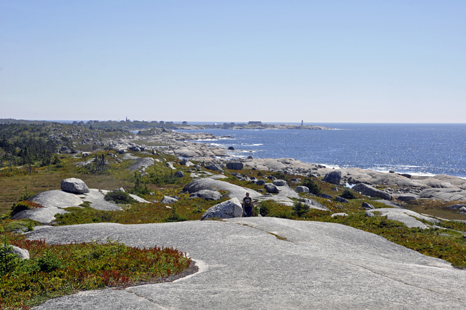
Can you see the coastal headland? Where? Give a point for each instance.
(323, 238)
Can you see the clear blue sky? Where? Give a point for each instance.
(317, 61)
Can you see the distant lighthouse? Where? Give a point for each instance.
(302, 123)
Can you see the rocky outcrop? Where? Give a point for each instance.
(227, 209)
(371, 191)
(142, 163)
(446, 194)
(56, 199)
(18, 252)
(216, 185)
(407, 217)
(75, 186)
(206, 195)
(367, 206)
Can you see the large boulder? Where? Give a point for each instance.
(280, 183)
(75, 186)
(227, 209)
(302, 189)
(206, 195)
(271, 188)
(214, 167)
(371, 191)
(235, 166)
(333, 177)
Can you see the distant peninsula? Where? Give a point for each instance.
(133, 125)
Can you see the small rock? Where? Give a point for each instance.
(341, 199)
(260, 182)
(367, 206)
(168, 199)
(326, 196)
(335, 189)
(179, 174)
(235, 166)
(231, 148)
(339, 214)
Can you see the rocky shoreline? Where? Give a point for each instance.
(404, 186)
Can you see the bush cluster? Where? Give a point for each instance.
(57, 270)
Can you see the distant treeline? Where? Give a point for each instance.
(25, 144)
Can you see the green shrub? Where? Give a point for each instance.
(348, 194)
(119, 197)
(312, 185)
(273, 209)
(175, 217)
(24, 205)
(49, 262)
(8, 260)
(300, 209)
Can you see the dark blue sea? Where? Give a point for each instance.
(424, 149)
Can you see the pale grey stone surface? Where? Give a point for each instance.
(279, 183)
(97, 199)
(56, 199)
(405, 216)
(41, 215)
(303, 189)
(210, 184)
(206, 194)
(21, 253)
(75, 186)
(168, 200)
(317, 266)
(142, 163)
(227, 209)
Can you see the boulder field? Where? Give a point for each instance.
(271, 263)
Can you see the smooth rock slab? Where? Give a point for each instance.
(56, 199)
(206, 194)
(142, 163)
(41, 215)
(405, 216)
(314, 265)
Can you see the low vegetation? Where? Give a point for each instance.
(57, 270)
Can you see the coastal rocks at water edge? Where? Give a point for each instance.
(75, 186)
(333, 177)
(302, 189)
(227, 209)
(206, 194)
(271, 188)
(371, 191)
(235, 166)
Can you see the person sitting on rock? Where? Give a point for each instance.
(248, 206)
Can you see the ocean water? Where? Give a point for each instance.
(424, 149)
